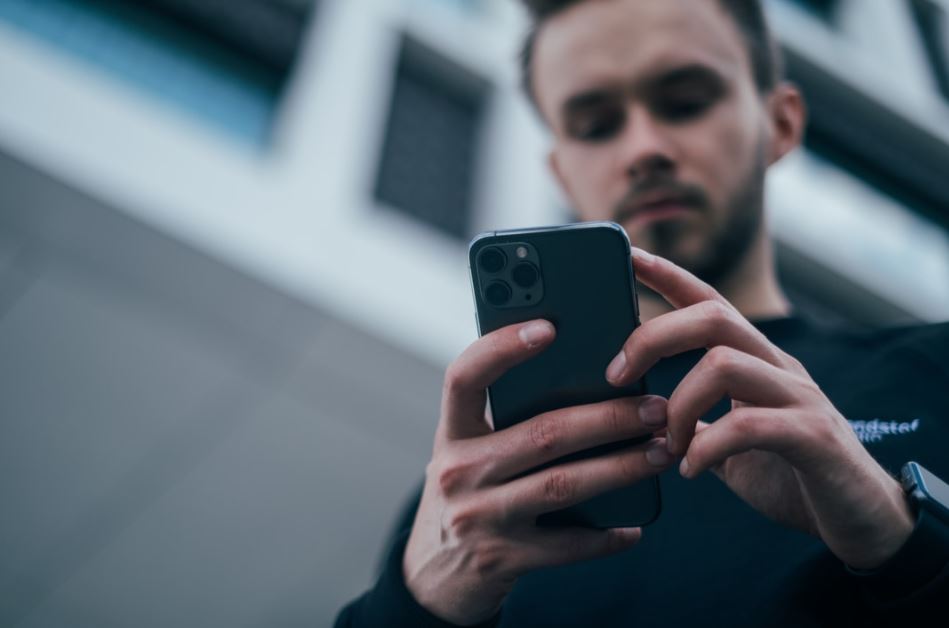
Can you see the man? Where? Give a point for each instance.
(665, 115)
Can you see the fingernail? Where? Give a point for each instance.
(643, 255)
(615, 370)
(535, 332)
(652, 412)
(669, 441)
(684, 467)
(657, 455)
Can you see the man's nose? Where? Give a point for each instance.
(647, 150)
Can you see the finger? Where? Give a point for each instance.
(724, 371)
(571, 483)
(485, 360)
(551, 547)
(738, 431)
(554, 434)
(678, 286)
(703, 325)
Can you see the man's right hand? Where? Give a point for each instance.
(475, 530)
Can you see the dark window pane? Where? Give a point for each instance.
(224, 61)
(429, 155)
(268, 32)
(824, 9)
(933, 24)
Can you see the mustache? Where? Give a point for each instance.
(683, 193)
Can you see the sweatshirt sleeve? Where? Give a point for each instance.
(389, 602)
(915, 581)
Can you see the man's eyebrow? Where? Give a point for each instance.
(665, 78)
(684, 74)
(588, 98)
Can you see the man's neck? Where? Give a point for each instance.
(752, 287)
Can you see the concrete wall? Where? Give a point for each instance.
(181, 445)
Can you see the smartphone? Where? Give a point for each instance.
(580, 278)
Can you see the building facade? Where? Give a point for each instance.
(232, 269)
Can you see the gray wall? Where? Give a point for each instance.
(180, 445)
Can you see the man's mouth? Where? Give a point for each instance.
(655, 208)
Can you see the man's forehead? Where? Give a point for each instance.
(603, 42)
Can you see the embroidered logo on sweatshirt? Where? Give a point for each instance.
(874, 431)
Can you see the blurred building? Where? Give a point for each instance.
(232, 267)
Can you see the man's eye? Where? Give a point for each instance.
(597, 127)
(682, 109)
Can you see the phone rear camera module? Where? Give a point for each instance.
(497, 293)
(525, 274)
(492, 260)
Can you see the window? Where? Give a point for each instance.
(223, 61)
(823, 9)
(933, 23)
(429, 156)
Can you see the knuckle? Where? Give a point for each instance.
(486, 468)
(545, 434)
(642, 340)
(629, 467)
(722, 358)
(449, 480)
(793, 363)
(462, 521)
(747, 424)
(452, 475)
(812, 388)
(617, 413)
(489, 559)
(456, 379)
(715, 311)
(823, 429)
(558, 488)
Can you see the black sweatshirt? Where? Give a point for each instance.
(710, 559)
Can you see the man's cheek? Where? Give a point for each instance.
(596, 198)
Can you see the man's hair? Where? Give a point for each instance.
(766, 65)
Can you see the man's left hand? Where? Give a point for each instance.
(783, 448)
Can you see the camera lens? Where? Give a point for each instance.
(497, 293)
(492, 259)
(525, 274)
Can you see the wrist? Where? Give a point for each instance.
(894, 525)
(443, 596)
(919, 566)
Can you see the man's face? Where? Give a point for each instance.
(658, 125)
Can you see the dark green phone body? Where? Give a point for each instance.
(580, 278)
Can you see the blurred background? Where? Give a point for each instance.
(232, 269)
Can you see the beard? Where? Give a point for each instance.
(712, 249)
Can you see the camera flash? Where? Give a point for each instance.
(521, 252)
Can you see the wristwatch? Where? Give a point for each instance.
(928, 494)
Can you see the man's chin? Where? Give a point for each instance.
(679, 240)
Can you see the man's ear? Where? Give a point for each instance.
(787, 116)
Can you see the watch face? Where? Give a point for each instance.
(933, 493)
(934, 487)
